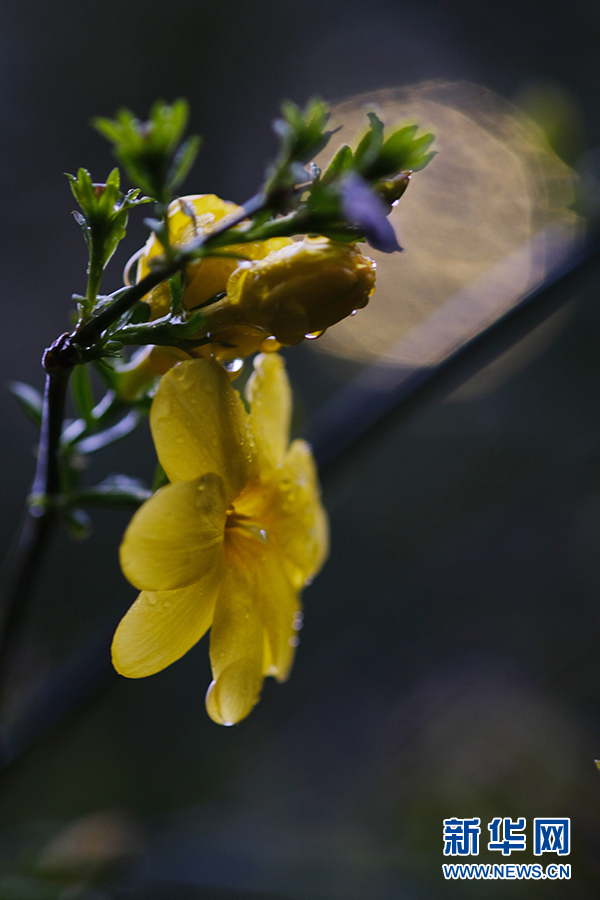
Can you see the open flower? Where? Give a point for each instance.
(231, 542)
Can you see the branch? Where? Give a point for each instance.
(89, 333)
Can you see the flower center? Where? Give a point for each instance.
(244, 523)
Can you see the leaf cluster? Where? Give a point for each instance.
(149, 151)
(354, 196)
(301, 136)
(103, 222)
(375, 158)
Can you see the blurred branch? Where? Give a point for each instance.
(356, 415)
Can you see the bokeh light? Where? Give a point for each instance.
(480, 226)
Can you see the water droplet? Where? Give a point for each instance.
(152, 599)
(259, 533)
(270, 344)
(354, 311)
(294, 641)
(313, 335)
(233, 366)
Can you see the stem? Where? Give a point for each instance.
(47, 474)
(89, 333)
(21, 565)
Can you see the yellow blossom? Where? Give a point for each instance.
(230, 542)
(207, 276)
(283, 292)
(302, 288)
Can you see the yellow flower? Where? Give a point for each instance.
(208, 276)
(231, 542)
(302, 288)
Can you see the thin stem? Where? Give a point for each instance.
(47, 474)
(21, 565)
(89, 333)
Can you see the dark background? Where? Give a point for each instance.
(450, 663)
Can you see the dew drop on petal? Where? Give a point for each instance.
(294, 641)
(234, 366)
(270, 345)
(313, 335)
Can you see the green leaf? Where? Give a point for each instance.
(183, 161)
(302, 136)
(116, 490)
(107, 373)
(368, 149)
(160, 478)
(103, 222)
(81, 392)
(324, 202)
(166, 331)
(341, 163)
(103, 438)
(149, 150)
(30, 400)
(73, 430)
(402, 151)
(176, 290)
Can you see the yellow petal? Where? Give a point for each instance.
(236, 647)
(270, 397)
(162, 626)
(199, 425)
(176, 536)
(208, 209)
(278, 605)
(298, 522)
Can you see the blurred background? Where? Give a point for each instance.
(450, 660)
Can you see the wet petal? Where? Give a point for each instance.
(278, 605)
(162, 626)
(270, 398)
(199, 425)
(176, 536)
(236, 648)
(298, 522)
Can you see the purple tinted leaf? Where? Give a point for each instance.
(363, 207)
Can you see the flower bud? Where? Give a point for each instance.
(391, 189)
(190, 217)
(301, 289)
